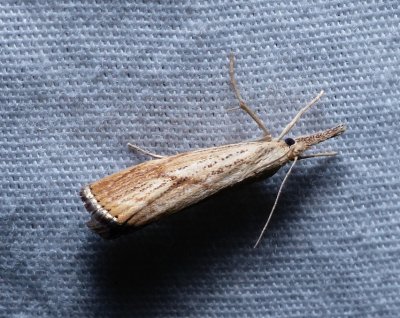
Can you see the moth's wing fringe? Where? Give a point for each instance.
(101, 222)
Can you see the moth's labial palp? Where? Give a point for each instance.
(290, 141)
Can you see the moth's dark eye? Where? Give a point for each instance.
(289, 141)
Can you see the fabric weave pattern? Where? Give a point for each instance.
(80, 79)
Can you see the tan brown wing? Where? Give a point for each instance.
(145, 192)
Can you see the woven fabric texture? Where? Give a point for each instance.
(81, 79)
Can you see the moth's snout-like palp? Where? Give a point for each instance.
(303, 143)
(316, 138)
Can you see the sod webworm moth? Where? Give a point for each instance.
(144, 193)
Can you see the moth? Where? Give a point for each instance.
(141, 194)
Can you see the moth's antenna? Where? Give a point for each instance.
(276, 202)
(299, 114)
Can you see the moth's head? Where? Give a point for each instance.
(300, 144)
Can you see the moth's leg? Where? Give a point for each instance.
(320, 154)
(242, 104)
(146, 152)
(276, 201)
(299, 114)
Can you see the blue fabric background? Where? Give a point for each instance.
(80, 79)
